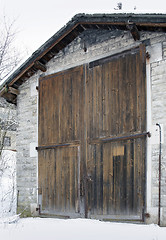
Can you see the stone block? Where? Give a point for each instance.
(155, 51)
(34, 209)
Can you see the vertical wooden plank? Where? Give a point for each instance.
(143, 186)
(94, 110)
(140, 91)
(111, 201)
(100, 98)
(127, 95)
(101, 180)
(74, 180)
(116, 94)
(46, 178)
(76, 185)
(134, 93)
(91, 175)
(64, 110)
(58, 185)
(97, 101)
(95, 178)
(66, 174)
(104, 110)
(125, 179)
(75, 109)
(129, 178)
(42, 176)
(142, 63)
(106, 170)
(55, 119)
(132, 175)
(98, 180)
(112, 102)
(122, 95)
(71, 184)
(89, 90)
(51, 178)
(137, 176)
(107, 96)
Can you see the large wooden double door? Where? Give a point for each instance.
(92, 140)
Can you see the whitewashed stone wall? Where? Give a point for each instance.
(98, 44)
(26, 141)
(157, 112)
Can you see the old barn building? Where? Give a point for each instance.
(88, 101)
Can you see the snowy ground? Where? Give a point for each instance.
(7, 183)
(14, 228)
(76, 229)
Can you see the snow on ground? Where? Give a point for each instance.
(74, 229)
(7, 183)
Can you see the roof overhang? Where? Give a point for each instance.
(79, 23)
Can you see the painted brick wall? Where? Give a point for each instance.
(98, 44)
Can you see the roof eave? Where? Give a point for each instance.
(79, 21)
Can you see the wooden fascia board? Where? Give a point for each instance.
(21, 74)
(149, 24)
(145, 24)
(40, 66)
(13, 91)
(56, 42)
(40, 56)
(123, 18)
(2, 91)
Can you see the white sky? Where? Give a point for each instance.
(38, 20)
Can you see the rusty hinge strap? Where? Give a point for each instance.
(51, 146)
(138, 135)
(57, 145)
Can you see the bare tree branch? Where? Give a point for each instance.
(8, 124)
(9, 55)
(9, 59)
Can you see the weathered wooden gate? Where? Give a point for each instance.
(60, 135)
(92, 140)
(116, 122)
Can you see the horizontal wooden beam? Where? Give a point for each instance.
(134, 31)
(122, 138)
(12, 98)
(13, 91)
(40, 66)
(119, 138)
(2, 91)
(72, 144)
